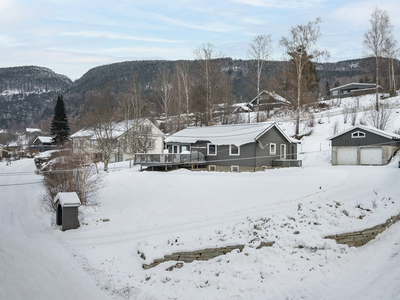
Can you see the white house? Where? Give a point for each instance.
(127, 137)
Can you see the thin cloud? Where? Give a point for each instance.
(113, 36)
(6, 41)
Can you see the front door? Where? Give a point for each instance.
(283, 151)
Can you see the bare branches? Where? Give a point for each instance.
(301, 47)
(376, 41)
(259, 51)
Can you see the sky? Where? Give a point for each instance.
(72, 36)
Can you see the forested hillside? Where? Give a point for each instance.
(28, 94)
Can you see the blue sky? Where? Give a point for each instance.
(72, 36)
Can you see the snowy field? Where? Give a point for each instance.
(158, 213)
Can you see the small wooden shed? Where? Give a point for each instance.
(66, 205)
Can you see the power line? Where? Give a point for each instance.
(26, 183)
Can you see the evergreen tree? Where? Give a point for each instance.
(59, 125)
(327, 89)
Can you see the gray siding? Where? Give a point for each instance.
(70, 218)
(252, 154)
(370, 139)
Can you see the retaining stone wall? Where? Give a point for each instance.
(360, 238)
(204, 254)
(356, 239)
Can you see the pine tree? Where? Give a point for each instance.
(59, 125)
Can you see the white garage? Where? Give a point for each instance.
(371, 156)
(347, 156)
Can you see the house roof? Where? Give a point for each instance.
(119, 128)
(44, 139)
(374, 130)
(237, 134)
(356, 85)
(273, 95)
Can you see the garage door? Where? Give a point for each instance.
(347, 156)
(371, 156)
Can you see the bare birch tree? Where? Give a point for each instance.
(375, 42)
(301, 46)
(208, 73)
(183, 72)
(259, 52)
(164, 88)
(392, 52)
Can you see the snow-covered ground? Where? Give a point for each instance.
(158, 213)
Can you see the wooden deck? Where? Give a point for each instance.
(169, 159)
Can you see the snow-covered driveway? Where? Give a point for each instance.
(32, 264)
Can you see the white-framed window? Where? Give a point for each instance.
(152, 143)
(234, 150)
(234, 169)
(335, 93)
(212, 168)
(357, 135)
(283, 151)
(185, 148)
(272, 148)
(211, 149)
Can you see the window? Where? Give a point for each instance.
(234, 150)
(151, 144)
(272, 148)
(212, 168)
(358, 134)
(335, 93)
(184, 148)
(283, 151)
(234, 169)
(118, 157)
(211, 149)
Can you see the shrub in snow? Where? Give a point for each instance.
(67, 172)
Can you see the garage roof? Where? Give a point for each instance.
(374, 130)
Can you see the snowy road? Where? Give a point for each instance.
(32, 264)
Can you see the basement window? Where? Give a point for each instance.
(234, 169)
(358, 134)
(212, 168)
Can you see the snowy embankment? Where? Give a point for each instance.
(159, 213)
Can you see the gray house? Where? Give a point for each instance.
(362, 145)
(268, 100)
(235, 148)
(353, 89)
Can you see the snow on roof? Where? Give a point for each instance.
(45, 139)
(237, 134)
(383, 133)
(353, 83)
(118, 128)
(68, 199)
(32, 130)
(273, 95)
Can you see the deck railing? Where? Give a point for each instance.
(169, 158)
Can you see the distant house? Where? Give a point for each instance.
(232, 148)
(142, 135)
(353, 89)
(362, 145)
(268, 101)
(41, 144)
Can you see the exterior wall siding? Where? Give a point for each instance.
(369, 140)
(253, 156)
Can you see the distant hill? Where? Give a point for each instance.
(29, 93)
